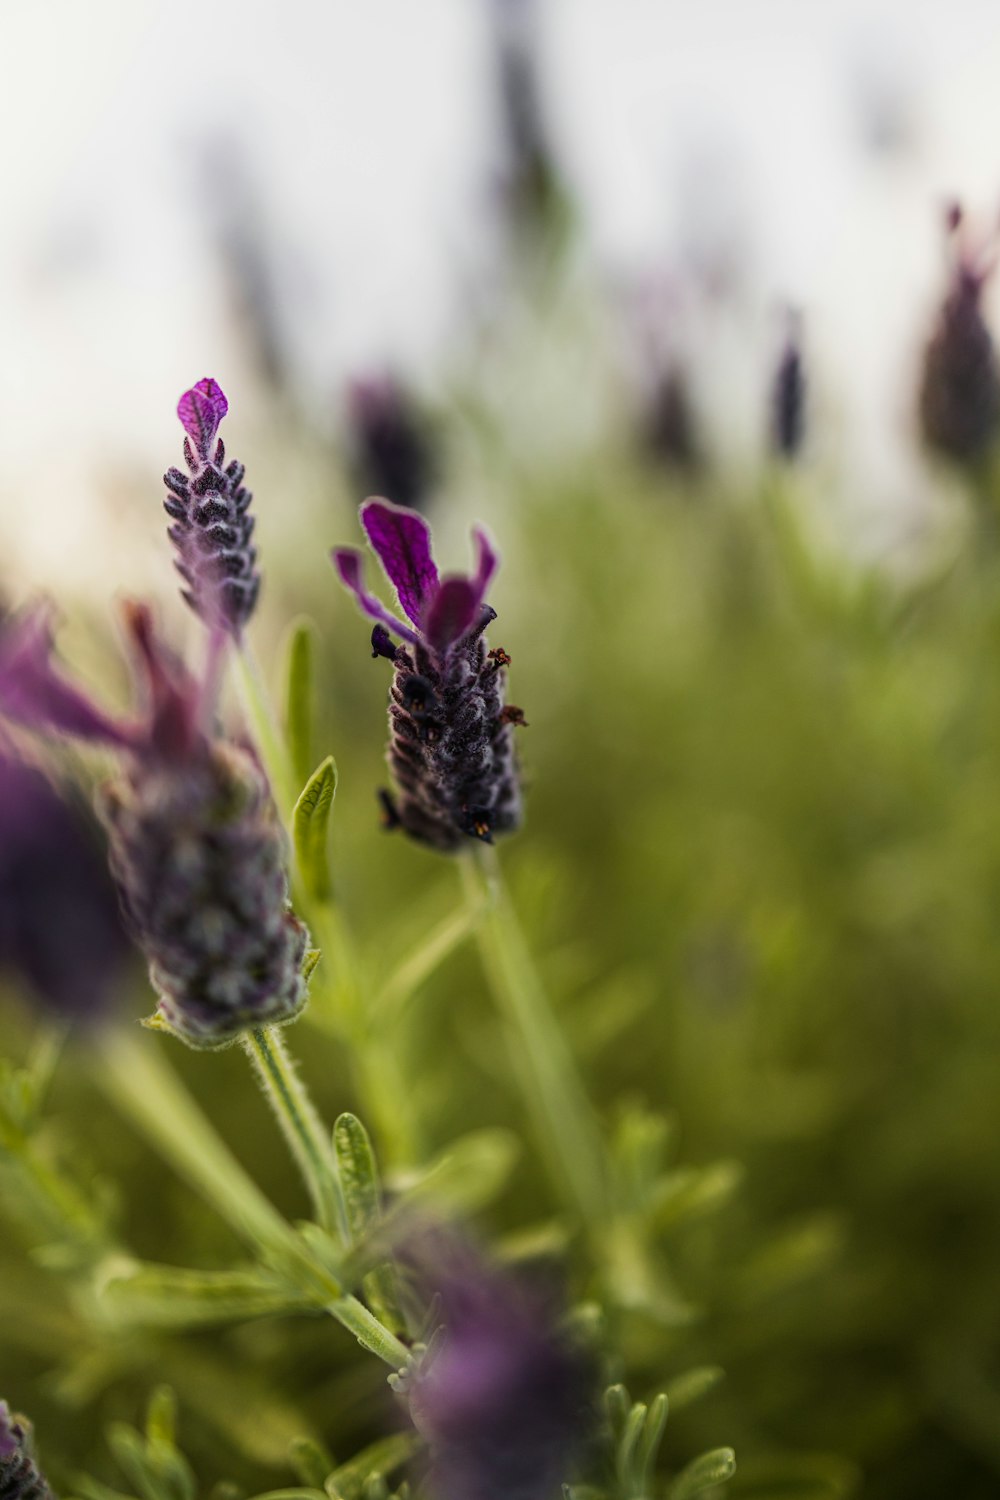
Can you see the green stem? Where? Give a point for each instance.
(300, 1124)
(564, 1119)
(145, 1089)
(369, 1332)
(277, 761)
(378, 1077)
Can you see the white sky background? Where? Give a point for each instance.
(682, 126)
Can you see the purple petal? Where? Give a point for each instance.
(402, 540)
(33, 693)
(201, 409)
(348, 564)
(456, 606)
(453, 612)
(173, 695)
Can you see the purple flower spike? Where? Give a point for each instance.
(197, 851)
(451, 748)
(212, 526)
(20, 1476)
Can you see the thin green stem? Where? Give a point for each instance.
(277, 761)
(300, 1124)
(145, 1089)
(564, 1119)
(369, 1332)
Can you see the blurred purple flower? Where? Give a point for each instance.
(210, 510)
(504, 1399)
(61, 933)
(196, 846)
(788, 396)
(959, 401)
(392, 450)
(451, 748)
(20, 1476)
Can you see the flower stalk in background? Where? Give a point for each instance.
(451, 747)
(391, 446)
(959, 401)
(212, 526)
(196, 847)
(20, 1476)
(788, 395)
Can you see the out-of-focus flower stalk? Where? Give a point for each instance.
(564, 1118)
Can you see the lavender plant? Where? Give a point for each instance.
(489, 1380)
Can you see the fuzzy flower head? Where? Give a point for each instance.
(20, 1476)
(392, 449)
(504, 1398)
(959, 403)
(195, 844)
(788, 394)
(212, 526)
(451, 747)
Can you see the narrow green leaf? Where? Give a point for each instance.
(649, 1443)
(311, 1461)
(693, 1385)
(300, 697)
(358, 1173)
(172, 1297)
(628, 1443)
(466, 1175)
(382, 1457)
(310, 827)
(161, 1417)
(704, 1472)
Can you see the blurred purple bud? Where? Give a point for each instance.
(212, 528)
(451, 748)
(391, 445)
(959, 398)
(505, 1401)
(788, 397)
(61, 934)
(20, 1476)
(199, 857)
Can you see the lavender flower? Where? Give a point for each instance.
(959, 403)
(392, 450)
(451, 748)
(196, 846)
(60, 930)
(788, 396)
(20, 1476)
(212, 525)
(504, 1401)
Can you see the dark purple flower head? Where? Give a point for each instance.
(61, 934)
(196, 846)
(392, 450)
(212, 526)
(451, 748)
(959, 402)
(20, 1476)
(788, 395)
(504, 1399)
